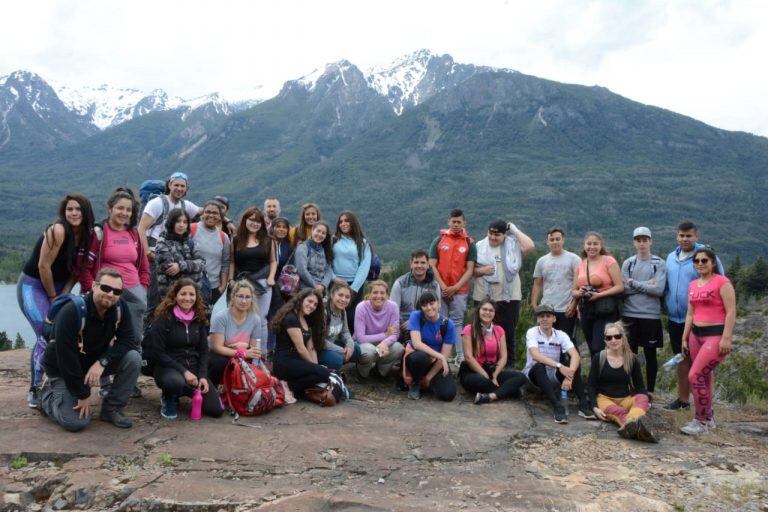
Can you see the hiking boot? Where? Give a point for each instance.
(586, 412)
(169, 408)
(560, 416)
(629, 430)
(695, 428)
(677, 404)
(414, 391)
(33, 398)
(482, 398)
(115, 417)
(643, 434)
(136, 393)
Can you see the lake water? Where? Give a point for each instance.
(11, 319)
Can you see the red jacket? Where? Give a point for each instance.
(453, 252)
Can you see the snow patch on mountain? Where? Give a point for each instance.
(399, 80)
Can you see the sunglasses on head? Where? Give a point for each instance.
(109, 289)
(701, 261)
(609, 337)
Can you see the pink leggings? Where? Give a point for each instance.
(705, 356)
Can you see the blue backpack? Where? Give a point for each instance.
(58, 303)
(150, 189)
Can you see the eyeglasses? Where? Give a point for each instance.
(609, 337)
(701, 261)
(109, 289)
(243, 297)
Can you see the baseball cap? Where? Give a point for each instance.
(641, 231)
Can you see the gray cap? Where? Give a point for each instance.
(544, 308)
(641, 231)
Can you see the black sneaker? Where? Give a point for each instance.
(629, 430)
(115, 417)
(169, 408)
(643, 434)
(414, 392)
(560, 416)
(677, 404)
(482, 398)
(33, 398)
(586, 412)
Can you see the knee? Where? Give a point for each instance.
(74, 424)
(131, 361)
(446, 393)
(368, 353)
(396, 349)
(415, 359)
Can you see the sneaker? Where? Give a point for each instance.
(560, 416)
(710, 424)
(677, 404)
(629, 430)
(643, 434)
(586, 412)
(168, 408)
(482, 398)
(695, 428)
(414, 391)
(459, 359)
(33, 398)
(115, 417)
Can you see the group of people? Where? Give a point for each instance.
(151, 275)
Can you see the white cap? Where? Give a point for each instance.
(641, 231)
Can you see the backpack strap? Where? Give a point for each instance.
(603, 359)
(631, 266)
(166, 208)
(192, 229)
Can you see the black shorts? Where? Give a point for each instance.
(644, 332)
(675, 331)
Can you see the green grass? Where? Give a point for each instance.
(19, 462)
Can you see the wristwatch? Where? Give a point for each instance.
(104, 361)
(558, 366)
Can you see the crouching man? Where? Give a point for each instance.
(80, 353)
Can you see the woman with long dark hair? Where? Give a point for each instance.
(310, 213)
(179, 341)
(58, 258)
(351, 259)
(314, 259)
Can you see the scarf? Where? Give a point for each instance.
(184, 317)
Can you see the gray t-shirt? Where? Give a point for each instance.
(223, 323)
(214, 247)
(557, 278)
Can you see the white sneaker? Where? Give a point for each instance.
(711, 424)
(695, 428)
(459, 359)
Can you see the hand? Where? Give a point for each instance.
(320, 288)
(348, 353)
(449, 291)
(392, 330)
(203, 386)
(93, 377)
(599, 413)
(84, 406)
(578, 293)
(339, 280)
(685, 345)
(222, 288)
(444, 362)
(172, 269)
(190, 378)
(567, 372)
(725, 345)
(382, 349)
(270, 281)
(495, 380)
(487, 270)
(630, 281)
(567, 384)
(253, 353)
(595, 296)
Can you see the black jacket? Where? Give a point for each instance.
(174, 345)
(63, 358)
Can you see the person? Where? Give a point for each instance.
(645, 277)
(351, 258)
(376, 330)
(499, 257)
(407, 288)
(78, 359)
(175, 258)
(708, 334)
(237, 327)
(314, 259)
(179, 341)
(271, 212)
(452, 257)
(58, 258)
(616, 386)
(484, 370)
(310, 213)
(680, 272)
(157, 209)
(225, 223)
(300, 329)
(339, 346)
(253, 258)
(118, 246)
(214, 247)
(553, 280)
(283, 248)
(598, 277)
(548, 369)
(426, 355)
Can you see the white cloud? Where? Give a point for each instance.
(699, 58)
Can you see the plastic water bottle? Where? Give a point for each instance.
(673, 361)
(196, 412)
(564, 400)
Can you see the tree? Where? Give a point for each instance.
(19, 343)
(5, 343)
(734, 272)
(756, 278)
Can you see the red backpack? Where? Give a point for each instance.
(249, 388)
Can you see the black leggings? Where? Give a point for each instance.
(510, 382)
(172, 382)
(444, 387)
(508, 314)
(540, 379)
(651, 367)
(593, 328)
(216, 365)
(300, 374)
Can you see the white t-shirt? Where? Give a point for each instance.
(552, 347)
(556, 273)
(154, 209)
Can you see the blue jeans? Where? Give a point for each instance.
(335, 360)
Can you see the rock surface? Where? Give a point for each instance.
(380, 451)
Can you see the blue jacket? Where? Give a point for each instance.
(679, 276)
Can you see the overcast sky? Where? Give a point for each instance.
(705, 59)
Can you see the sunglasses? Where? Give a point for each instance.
(701, 261)
(109, 289)
(609, 337)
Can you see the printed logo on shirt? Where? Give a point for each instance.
(462, 249)
(704, 295)
(121, 241)
(444, 247)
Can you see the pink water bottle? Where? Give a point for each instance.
(196, 412)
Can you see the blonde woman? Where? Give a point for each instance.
(616, 386)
